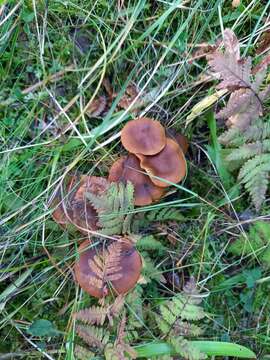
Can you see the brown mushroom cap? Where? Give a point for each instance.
(182, 141)
(144, 136)
(85, 216)
(73, 206)
(130, 268)
(169, 164)
(127, 168)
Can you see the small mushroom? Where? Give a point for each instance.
(169, 164)
(144, 136)
(127, 168)
(85, 216)
(182, 142)
(180, 139)
(73, 206)
(127, 270)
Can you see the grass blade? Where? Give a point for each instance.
(211, 348)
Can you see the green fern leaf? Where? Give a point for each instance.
(257, 243)
(247, 151)
(163, 325)
(149, 243)
(232, 137)
(184, 328)
(186, 349)
(176, 321)
(258, 131)
(251, 167)
(149, 269)
(183, 306)
(114, 208)
(164, 214)
(167, 314)
(257, 187)
(180, 307)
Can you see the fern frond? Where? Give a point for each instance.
(149, 268)
(258, 131)
(252, 167)
(114, 309)
(118, 352)
(248, 136)
(106, 266)
(164, 214)
(250, 150)
(121, 329)
(233, 72)
(242, 109)
(181, 306)
(185, 348)
(149, 243)
(135, 314)
(93, 336)
(258, 243)
(184, 328)
(81, 353)
(92, 315)
(257, 187)
(176, 320)
(114, 208)
(231, 137)
(120, 348)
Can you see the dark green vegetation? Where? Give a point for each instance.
(54, 56)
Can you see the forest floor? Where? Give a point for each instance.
(55, 57)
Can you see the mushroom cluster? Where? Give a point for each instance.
(118, 257)
(154, 160)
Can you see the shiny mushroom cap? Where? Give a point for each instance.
(144, 136)
(89, 274)
(127, 168)
(169, 164)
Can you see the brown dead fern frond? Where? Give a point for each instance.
(106, 266)
(93, 315)
(93, 336)
(246, 100)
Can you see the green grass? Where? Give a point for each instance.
(45, 133)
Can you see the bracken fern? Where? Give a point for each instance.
(176, 321)
(114, 208)
(248, 136)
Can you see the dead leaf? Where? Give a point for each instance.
(263, 43)
(97, 107)
(235, 74)
(204, 104)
